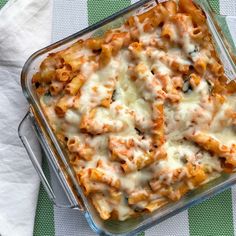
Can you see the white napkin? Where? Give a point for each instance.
(25, 26)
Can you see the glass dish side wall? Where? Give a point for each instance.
(130, 226)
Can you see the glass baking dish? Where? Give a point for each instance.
(59, 161)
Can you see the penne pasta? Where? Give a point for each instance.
(63, 74)
(197, 33)
(99, 176)
(102, 206)
(216, 68)
(158, 125)
(105, 55)
(94, 44)
(171, 7)
(210, 144)
(75, 84)
(168, 31)
(200, 66)
(56, 87)
(156, 204)
(137, 197)
(188, 6)
(63, 104)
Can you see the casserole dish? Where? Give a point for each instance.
(57, 157)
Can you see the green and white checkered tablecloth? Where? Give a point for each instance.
(214, 217)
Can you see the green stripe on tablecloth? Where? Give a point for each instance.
(2, 3)
(99, 9)
(44, 219)
(215, 5)
(214, 216)
(141, 234)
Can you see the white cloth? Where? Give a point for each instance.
(25, 27)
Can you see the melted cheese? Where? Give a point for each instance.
(225, 136)
(133, 180)
(72, 117)
(209, 163)
(97, 93)
(123, 132)
(178, 154)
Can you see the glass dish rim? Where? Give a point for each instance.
(148, 222)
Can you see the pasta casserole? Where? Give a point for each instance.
(144, 113)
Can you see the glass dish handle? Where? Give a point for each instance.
(23, 132)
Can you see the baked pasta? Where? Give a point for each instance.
(145, 112)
